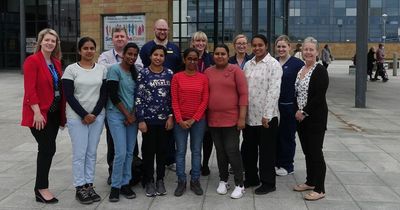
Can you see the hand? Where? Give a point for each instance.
(38, 121)
(130, 119)
(184, 124)
(89, 119)
(265, 122)
(299, 116)
(143, 127)
(169, 124)
(191, 122)
(240, 124)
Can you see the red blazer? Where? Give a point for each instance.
(38, 88)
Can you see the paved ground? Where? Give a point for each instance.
(362, 151)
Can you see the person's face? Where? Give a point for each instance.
(309, 52)
(220, 56)
(161, 31)
(241, 45)
(48, 43)
(191, 61)
(200, 44)
(87, 51)
(259, 48)
(119, 39)
(158, 57)
(130, 56)
(282, 48)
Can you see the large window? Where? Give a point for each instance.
(335, 20)
(61, 15)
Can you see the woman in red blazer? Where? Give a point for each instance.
(43, 109)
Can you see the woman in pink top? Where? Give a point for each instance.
(189, 90)
(227, 107)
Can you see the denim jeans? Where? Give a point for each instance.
(196, 142)
(85, 139)
(124, 138)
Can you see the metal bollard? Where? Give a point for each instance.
(395, 64)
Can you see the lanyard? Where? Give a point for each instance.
(115, 56)
(54, 74)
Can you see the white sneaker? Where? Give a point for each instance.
(223, 188)
(172, 167)
(282, 172)
(237, 192)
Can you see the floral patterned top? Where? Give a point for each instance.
(264, 82)
(302, 87)
(153, 99)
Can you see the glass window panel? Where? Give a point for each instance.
(339, 4)
(351, 12)
(376, 3)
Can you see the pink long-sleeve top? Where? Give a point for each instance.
(228, 91)
(189, 96)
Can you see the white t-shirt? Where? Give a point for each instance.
(87, 84)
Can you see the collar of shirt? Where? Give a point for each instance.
(264, 60)
(163, 43)
(116, 56)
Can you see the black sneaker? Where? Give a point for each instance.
(196, 187)
(127, 192)
(205, 171)
(248, 183)
(180, 189)
(114, 195)
(92, 194)
(150, 189)
(82, 195)
(160, 187)
(264, 189)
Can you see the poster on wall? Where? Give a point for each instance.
(135, 25)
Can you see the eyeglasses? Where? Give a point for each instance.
(192, 60)
(161, 29)
(241, 44)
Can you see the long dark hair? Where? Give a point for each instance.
(132, 68)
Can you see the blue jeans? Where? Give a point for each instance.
(124, 138)
(196, 141)
(85, 139)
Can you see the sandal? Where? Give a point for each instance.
(302, 187)
(313, 196)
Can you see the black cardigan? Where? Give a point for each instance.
(316, 107)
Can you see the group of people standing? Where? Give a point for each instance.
(211, 97)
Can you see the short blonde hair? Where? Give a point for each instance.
(284, 38)
(312, 40)
(57, 50)
(238, 37)
(199, 35)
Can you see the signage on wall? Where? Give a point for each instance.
(30, 44)
(135, 25)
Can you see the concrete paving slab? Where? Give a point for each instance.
(331, 205)
(347, 166)
(359, 178)
(379, 206)
(372, 193)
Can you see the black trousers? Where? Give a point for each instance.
(226, 141)
(312, 140)
(46, 139)
(207, 147)
(259, 143)
(154, 146)
(171, 150)
(325, 64)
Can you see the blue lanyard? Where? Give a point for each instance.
(55, 76)
(115, 55)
